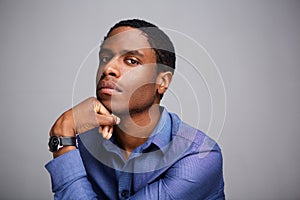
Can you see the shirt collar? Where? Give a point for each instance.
(161, 135)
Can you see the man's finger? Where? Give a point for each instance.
(108, 136)
(105, 120)
(107, 132)
(117, 119)
(100, 109)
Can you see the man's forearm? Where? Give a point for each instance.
(69, 179)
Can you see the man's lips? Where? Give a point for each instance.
(108, 87)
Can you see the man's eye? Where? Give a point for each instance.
(132, 61)
(104, 59)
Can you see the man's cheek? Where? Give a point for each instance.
(143, 94)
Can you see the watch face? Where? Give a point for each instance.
(53, 143)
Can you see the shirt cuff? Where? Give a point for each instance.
(65, 169)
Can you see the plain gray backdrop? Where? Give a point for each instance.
(255, 44)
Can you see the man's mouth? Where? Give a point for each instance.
(108, 87)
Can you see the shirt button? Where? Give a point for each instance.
(124, 193)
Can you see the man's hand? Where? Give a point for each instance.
(85, 116)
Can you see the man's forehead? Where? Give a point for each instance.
(128, 39)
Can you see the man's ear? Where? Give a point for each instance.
(163, 81)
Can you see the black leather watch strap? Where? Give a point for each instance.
(67, 141)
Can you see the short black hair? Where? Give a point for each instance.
(158, 40)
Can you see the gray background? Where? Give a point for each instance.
(256, 45)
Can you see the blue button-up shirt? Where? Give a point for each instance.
(176, 162)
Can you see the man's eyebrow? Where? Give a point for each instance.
(122, 52)
(103, 50)
(132, 52)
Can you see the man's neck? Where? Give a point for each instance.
(135, 129)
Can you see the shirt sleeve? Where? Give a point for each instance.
(195, 176)
(69, 178)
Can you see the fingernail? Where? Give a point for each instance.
(108, 136)
(105, 133)
(117, 119)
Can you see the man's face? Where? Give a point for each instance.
(127, 72)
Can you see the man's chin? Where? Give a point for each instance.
(116, 109)
(106, 104)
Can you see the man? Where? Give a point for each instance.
(145, 152)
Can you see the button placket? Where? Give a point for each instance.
(125, 180)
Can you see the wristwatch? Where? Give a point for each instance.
(55, 142)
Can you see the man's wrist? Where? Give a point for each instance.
(63, 150)
(57, 142)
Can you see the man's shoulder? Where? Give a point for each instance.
(198, 140)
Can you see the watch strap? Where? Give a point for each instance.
(67, 141)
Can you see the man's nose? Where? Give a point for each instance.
(112, 68)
